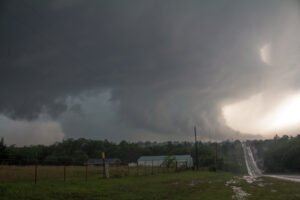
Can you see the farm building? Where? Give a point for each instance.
(110, 161)
(132, 164)
(182, 160)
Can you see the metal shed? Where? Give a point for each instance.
(159, 160)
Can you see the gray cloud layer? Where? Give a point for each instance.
(167, 65)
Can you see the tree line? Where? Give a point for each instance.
(226, 156)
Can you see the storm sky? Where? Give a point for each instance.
(146, 70)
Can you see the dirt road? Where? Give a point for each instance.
(254, 171)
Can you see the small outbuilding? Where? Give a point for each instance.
(181, 160)
(110, 161)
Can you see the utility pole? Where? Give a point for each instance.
(196, 147)
(35, 168)
(216, 156)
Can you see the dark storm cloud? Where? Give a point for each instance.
(168, 65)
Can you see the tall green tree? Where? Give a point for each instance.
(3, 151)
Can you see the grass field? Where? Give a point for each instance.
(183, 185)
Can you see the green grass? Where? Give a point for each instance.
(183, 185)
(189, 185)
(274, 189)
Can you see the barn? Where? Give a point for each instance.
(182, 160)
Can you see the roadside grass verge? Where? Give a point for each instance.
(271, 188)
(267, 188)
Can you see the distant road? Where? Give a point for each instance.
(254, 171)
(295, 178)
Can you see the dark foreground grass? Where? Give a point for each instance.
(184, 185)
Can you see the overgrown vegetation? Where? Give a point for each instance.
(279, 155)
(234, 157)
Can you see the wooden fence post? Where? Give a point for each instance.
(103, 168)
(103, 160)
(35, 169)
(152, 168)
(86, 171)
(65, 172)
